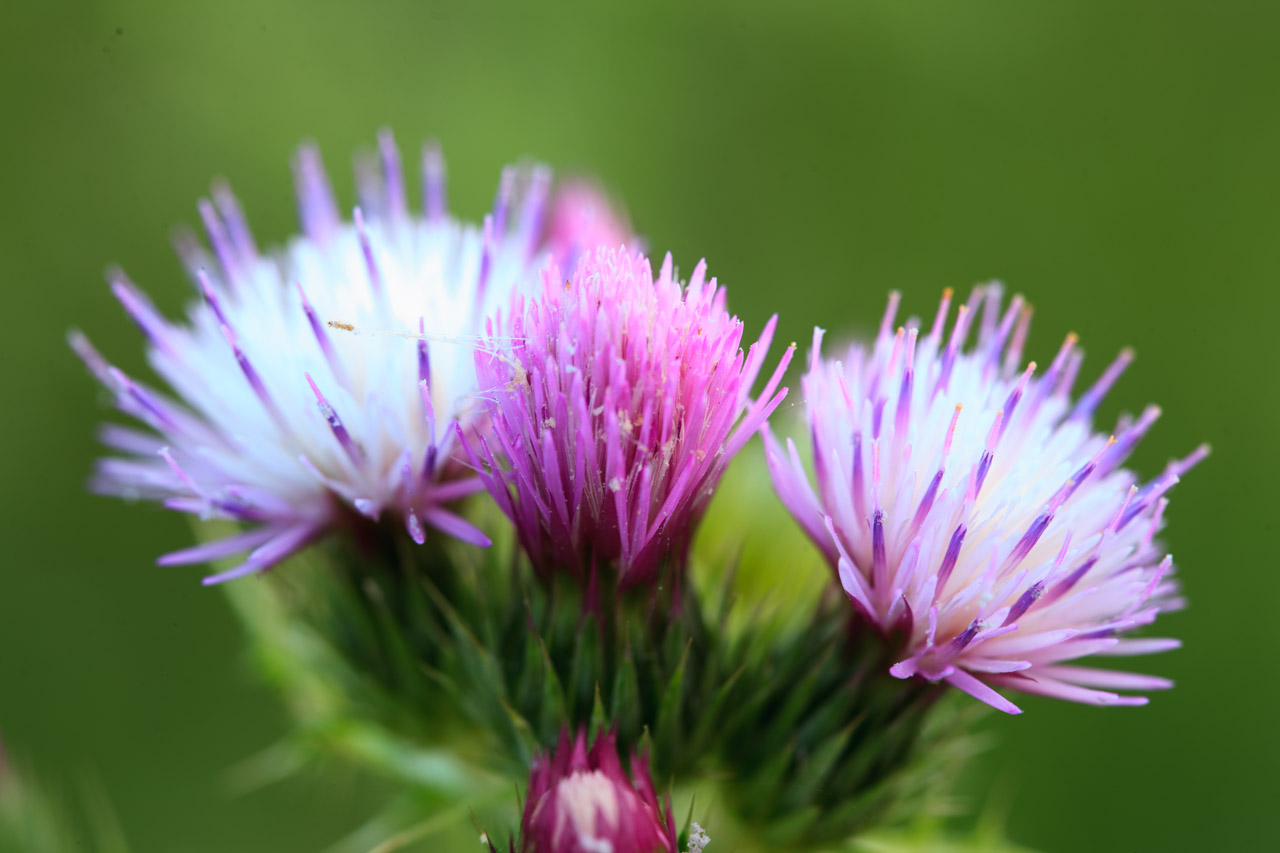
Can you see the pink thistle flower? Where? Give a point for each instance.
(969, 507)
(583, 801)
(284, 416)
(617, 401)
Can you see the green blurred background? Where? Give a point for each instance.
(1114, 162)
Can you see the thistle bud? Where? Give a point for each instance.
(583, 801)
(582, 218)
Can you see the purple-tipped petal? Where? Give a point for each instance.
(282, 546)
(456, 526)
(218, 549)
(980, 691)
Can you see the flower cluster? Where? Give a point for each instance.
(377, 370)
(288, 417)
(583, 801)
(618, 400)
(969, 505)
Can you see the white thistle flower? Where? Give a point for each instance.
(283, 415)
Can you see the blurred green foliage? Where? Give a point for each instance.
(1115, 163)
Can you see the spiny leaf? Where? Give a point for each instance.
(668, 719)
(708, 724)
(813, 769)
(625, 699)
(552, 707)
(584, 670)
(599, 719)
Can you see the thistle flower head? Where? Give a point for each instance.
(968, 505)
(284, 415)
(616, 406)
(583, 801)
